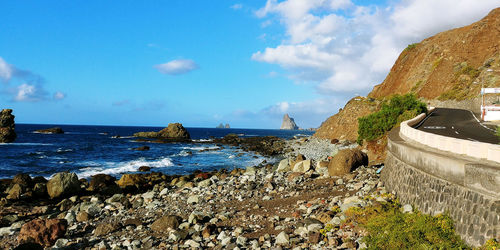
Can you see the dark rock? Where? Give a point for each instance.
(142, 148)
(265, 145)
(334, 141)
(63, 184)
(43, 232)
(29, 246)
(54, 130)
(144, 169)
(166, 222)
(135, 222)
(347, 160)
(7, 126)
(315, 237)
(103, 184)
(23, 180)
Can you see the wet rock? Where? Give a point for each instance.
(23, 179)
(144, 169)
(131, 181)
(43, 232)
(63, 184)
(165, 223)
(54, 130)
(103, 184)
(142, 148)
(347, 160)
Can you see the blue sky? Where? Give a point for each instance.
(245, 63)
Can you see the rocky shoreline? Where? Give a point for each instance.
(258, 207)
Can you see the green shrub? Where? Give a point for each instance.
(398, 109)
(388, 228)
(411, 46)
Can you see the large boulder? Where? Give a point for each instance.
(63, 184)
(346, 160)
(131, 181)
(7, 126)
(43, 232)
(103, 184)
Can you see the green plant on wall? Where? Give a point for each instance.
(396, 110)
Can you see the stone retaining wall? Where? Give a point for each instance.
(476, 214)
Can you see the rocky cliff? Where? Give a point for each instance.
(344, 124)
(448, 67)
(288, 123)
(7, 126)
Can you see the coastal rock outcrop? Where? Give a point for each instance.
(43, 232)
(347, 160)
(7, 126)
(174, 131)
(288, 123)
(54, 130)
(63, 184)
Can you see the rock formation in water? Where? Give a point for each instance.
(227, 125)
(174, 131)
(54, 130)
(288, 123)
(220, 126)
(7, 125)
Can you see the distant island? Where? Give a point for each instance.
(223, 126)
(288, 123)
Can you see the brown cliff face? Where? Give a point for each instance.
(446, 65)
(451, 65)
(344, 124)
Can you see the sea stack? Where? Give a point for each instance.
(7, 125)
(288, 123)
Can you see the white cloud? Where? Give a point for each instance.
(5, 70)
(343, 47)
(236, 6)
(59, 95)
(29, 93)
(177, 67)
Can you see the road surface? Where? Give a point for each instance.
(457, 123)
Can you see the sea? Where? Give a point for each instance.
(90, 150)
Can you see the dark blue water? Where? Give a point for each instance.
(89, 150)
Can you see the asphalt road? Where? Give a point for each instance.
(457, 123)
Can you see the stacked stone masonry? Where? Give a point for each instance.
(476, 216)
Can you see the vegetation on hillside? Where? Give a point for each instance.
(399, 108)
(387, 227)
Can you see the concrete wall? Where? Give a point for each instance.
(487, 151)
(437, 181)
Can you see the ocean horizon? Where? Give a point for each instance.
(93, 149)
